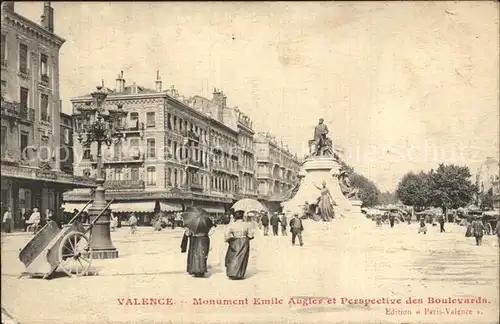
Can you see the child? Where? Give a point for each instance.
(132, 221)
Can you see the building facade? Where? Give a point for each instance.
(30, 109)
(66, 148)
(276, 171)
(174, 153)
(248, 183)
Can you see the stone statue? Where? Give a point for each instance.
(322, 144)
(346, 187)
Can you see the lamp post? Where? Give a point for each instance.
(101, 126)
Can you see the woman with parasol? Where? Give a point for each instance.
(198, 224)
(238, 235)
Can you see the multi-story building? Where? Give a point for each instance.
(277, 170)
(66, 149)
(248, 184)
(173, 153)
(30, 123)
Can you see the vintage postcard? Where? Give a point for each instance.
(250, 162)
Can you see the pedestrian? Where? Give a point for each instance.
(423, 227)
(392, 218)
(441, 224)
(199, 246)
(113, 222)
(238, 235)
(26, 216)
(34, 221)
(8, 221)
(132, 222)
(468, 231)
(265, 222)
(275, 221)
(408, 219)
(171, 219)
(478, 230)
(296, 227)
(283, 224)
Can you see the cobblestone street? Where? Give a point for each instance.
(334, 263)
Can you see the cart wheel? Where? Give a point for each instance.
(75, 254)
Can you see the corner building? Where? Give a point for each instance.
(175, 152)
(31, 172)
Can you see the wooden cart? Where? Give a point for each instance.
(67, 248)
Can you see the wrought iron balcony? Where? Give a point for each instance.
(45, 80)
(138, 127)
(45, 117)
(27, 114)
(124, 184)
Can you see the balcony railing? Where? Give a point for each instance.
(27, 114)
(196, 186)
(24, 72)
(124, 184)
(45, 117)
(44, 80)
(134, 127)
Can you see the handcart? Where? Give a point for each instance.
(67, 248)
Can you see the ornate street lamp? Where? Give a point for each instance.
(101, 126)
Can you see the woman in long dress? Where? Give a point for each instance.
(325, 203)
(238, 235)
(199, 246)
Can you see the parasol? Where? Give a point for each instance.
(197, 220)
(248, 205)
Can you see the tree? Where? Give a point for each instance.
(414, 190)
(451, 187)
(368, 191)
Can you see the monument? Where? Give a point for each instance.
(323, 189)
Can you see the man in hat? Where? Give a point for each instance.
(265, 222)
(296, 227)
(8, 221)
(275, 222)
(478, 230)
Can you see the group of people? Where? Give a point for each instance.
(277, 220)
(238, 235)
(33, 220)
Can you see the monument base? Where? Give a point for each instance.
(316, 171)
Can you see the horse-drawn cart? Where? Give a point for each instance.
(67, 248)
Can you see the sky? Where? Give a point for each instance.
(401, 86)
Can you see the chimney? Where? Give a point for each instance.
(158, 81)
(48, 17)
(8, 6)
(134, 89)
(120, 82)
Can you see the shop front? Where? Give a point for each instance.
(25, 188)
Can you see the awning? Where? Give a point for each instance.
(133, 207)
(69, 207)
(214, 210)
(170, 207)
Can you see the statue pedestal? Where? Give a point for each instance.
(316, 170)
